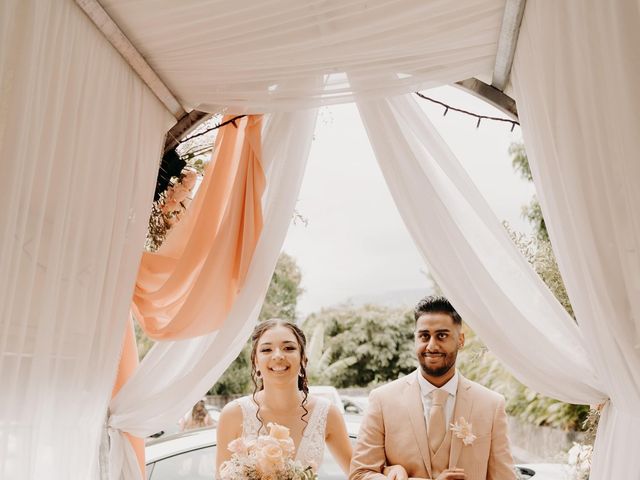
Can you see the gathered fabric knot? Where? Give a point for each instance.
(122, 460)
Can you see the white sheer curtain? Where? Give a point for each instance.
(472, 257)
(576, 77)
(174, 375)
(255, 57)
(80, 137)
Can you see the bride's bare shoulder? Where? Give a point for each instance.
(334, 417)
(232, 412)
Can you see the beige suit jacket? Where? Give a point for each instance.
(393, 432)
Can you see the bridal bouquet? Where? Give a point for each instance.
(265, 457)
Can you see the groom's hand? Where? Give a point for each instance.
(452, 474)
(395, 472)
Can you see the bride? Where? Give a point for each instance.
(281, 395)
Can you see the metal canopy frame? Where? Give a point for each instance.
(507, 42)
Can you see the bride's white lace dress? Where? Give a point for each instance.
(311, 448)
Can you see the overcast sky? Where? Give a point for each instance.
(355, 243)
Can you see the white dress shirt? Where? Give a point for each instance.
(426, 389)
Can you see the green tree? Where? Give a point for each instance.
(359, 347)
(532, 211)
(237, 377)
(282, 296)
(280, 302)
(143, 342)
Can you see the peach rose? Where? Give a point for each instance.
(278, 431)
(189, 179)
(263, 440)
(238, 446)
(179, 192)
(270, 458)
(171, 205)
(288, 447)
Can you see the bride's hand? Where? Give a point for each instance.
(395, 472)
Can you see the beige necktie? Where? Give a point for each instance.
(437, 427)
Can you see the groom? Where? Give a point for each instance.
(414, 426)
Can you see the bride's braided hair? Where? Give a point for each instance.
(303, 382)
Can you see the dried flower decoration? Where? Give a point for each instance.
(463, 430)
(170, 207)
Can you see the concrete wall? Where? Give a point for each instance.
(533, 444)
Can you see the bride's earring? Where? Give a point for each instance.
(300, 374)
(258, 374)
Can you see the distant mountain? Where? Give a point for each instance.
(394, 298)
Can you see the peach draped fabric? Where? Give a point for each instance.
(188, 286)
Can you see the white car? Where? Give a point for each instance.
(328, 392)
(544, 471)
(191, 455)
(355, 405)
(214, 413)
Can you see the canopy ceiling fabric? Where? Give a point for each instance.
(250, 56)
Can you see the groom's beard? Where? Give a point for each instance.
(449, 362)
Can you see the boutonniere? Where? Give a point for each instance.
(462, 429)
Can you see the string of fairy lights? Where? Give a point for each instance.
(424, 97)
(471, 114)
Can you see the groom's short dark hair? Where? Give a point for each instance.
(436, 304)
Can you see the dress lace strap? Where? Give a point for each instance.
(250, 423)
(311, 448)
(318, 422)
